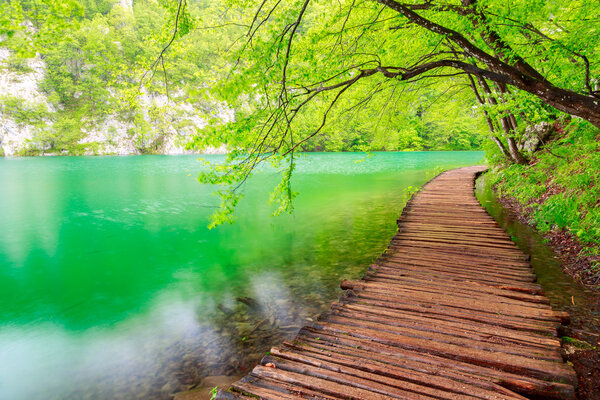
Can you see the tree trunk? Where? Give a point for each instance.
(514, 150)
(508, 125)
(521, 75)
(489, 121)
(500, 145)
(585, 107)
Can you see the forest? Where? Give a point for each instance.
(100, 61)
(520, 80)
(186, 185)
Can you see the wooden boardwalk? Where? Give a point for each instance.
(449, 311)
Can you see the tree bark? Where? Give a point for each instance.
(496, 43)
(507, 125)
(514, 149)
(521, 75)
(489, 121)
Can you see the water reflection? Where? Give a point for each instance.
(111, 287)
(168, 349)
(582, 304)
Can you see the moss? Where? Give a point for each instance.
(580, 344)
(561, 187)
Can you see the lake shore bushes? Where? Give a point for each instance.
(558, 192)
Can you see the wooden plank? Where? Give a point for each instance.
(445, 323)
(449, 335)
(533, 294)
(378, 274)
(464, 268)
(430, 364)
(462, 240)
(432, 286)
(449, 311)
(458, 259)
(350, 376)
(361, 389)
(469, 305)
(248, 388)
(416, 269)
(389, 381)
(521, 324)
(451, 382)
(504, 361)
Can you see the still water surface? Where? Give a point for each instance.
(111, 286)
(582, 304)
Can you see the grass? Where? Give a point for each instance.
(560, 189)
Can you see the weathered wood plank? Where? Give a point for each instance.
(445, 324)
(431, 364)
(384, 282)
(451, 382)
(449, 311)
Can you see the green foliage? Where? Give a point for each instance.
(293, 73)
(434, 172)
(22, 112)
(560, 190)
(97, 54)
(409, 192)
(270, 70)
(283, 195)
(580, 344)
(16, 64)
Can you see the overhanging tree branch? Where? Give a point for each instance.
(584, 106)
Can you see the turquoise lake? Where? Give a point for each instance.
(112, 287)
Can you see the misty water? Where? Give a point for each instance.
(111, 285)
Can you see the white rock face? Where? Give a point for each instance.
(113, 136)
(14, 136)
(127, 5)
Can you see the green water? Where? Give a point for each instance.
(111, 286)
(582, 304)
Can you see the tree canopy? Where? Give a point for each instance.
(304, 68)
(98, 57)
(304, 75)
(104, 59)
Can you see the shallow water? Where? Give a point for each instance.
(111, 286)
(582, 304)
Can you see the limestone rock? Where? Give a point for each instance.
(535, 136)
(169, 135)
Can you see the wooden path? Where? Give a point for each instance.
(449, 311)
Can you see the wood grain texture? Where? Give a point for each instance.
(451, 310)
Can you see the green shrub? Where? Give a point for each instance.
(560, 190)
(22, 112)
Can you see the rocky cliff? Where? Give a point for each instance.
(167, 125)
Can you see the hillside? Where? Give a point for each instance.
(87, 77)
(84, 90)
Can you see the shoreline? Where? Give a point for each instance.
(192, 153)
(580, 343)
(565, 245)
